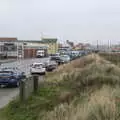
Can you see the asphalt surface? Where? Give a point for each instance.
(7, 94)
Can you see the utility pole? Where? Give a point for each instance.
(97, 45)
(17, 50)
(41, 35)
(109, 48)
(108, 45)
(110, 51)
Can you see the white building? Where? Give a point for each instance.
(8, 47)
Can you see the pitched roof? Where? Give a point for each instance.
(7, 39)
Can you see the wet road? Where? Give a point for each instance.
(7, 94)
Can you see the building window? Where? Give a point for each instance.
(25, 43)
(10, 47)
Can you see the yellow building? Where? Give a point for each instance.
(51, 43)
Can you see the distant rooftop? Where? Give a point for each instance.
(30, 41)
(8, 39)
(44, 40)
(51, 40)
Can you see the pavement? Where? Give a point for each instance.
(7, 94)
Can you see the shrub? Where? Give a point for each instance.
(100, 106)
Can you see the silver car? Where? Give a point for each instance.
(65, 58)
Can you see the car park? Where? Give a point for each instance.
(37, 68)
(11, 76)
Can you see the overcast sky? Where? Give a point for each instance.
(76, 20)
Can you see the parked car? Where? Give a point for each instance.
(57, 59)
(50, 65)
(11, 76)
(38, 68)
(65, 58)
(56, 54)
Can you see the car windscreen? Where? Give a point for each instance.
(38, 65)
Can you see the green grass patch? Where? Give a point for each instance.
(29, 110)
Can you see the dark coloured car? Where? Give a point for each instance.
(11, 76)
(50, 65)
(56, 54)
(57, 59)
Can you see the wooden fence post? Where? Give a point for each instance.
(22, 90)
(35, 81)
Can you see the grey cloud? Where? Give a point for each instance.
(78, 20)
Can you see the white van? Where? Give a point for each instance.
(40, 53)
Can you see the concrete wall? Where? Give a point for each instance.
(29, 87)
(26, 88)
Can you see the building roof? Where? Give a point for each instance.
(37, 47)
(33, 41)
(44, 40)
(50, 40)
(7, 39)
